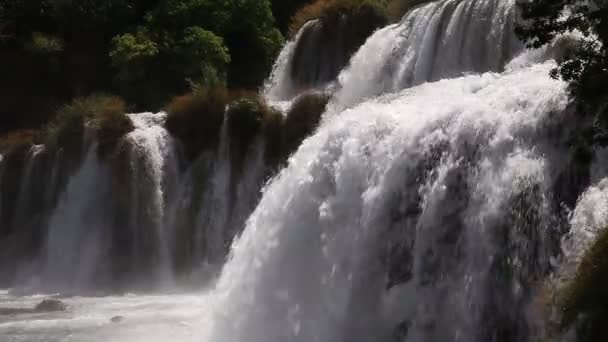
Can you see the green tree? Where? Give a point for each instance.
(185, 43)
(153, 66)
(585, 65)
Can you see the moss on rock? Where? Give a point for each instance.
(196, 118)
(583, 303)
(106, 114)
(326, 45)
(303, 118)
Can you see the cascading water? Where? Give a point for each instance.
(438, 40)
(279, 86)
(428, 206)
(397, 214)
(76, 237)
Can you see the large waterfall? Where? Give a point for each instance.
(437, 195)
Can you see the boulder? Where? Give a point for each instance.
(117, 319)
(50, 305)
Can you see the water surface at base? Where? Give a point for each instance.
(145, 318)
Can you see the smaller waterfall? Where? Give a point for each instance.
(153, 163)
(76, 243)
(319, 51)
(439, 40)
(24, 203)
(279, 86)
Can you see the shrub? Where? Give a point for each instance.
(246, 117)
(106, 114)
(587, 294)
(302, 119)
(326, 46)
(360, 11)
(196, 118)
(15, 140)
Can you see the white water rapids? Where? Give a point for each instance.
(423, 209)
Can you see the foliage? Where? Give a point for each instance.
(330, 10)
(147, 51)
(153, 66)
(16, 139)
(45, 44)
(203, 43)
(585, 65)
(105, 114)
(196, 118)
(247, 117)
(586, 296)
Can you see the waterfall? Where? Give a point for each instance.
(438, 40)
(405, 211)
(438, 194)
(428, 213)
(76, 239)
(23, 202)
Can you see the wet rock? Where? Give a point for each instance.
(50, 305)
(13, 311)
(47, 305)
(117, 319)
(401, 331)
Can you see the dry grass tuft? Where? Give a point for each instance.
(196, 118)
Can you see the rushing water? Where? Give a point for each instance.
(427, 207)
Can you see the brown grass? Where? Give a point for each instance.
(17, 139)
(104, 113)
(196, 118)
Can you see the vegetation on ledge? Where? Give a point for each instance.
(303, 118)
(15, 140)
(196, 118)
(584, 302)
(105, 114)
(584, 64)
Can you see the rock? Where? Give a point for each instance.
(13, 311)
(47, 305)
(117, 319)
(401, 331)
(50, 305)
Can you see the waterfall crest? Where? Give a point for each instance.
(439, 40)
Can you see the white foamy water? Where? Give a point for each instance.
(423, 208)
(74, 244)
(279, 88)
(588, 220)
(443, 159)
(144, 318)
(438, 40)
(153, 164)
